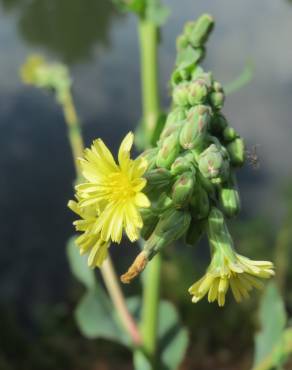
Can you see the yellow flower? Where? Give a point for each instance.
(89, 242)
(234, 270)
(29, 70)
(114, 190)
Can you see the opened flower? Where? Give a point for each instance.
(234, 270)
(113, 191)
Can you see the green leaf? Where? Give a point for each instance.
(187, 57)
(135, 6)
(172, 340)
(96, 317)
(273, 320)
(79, 266)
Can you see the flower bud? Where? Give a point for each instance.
(236, 150)
(157, 179)
(195, 231)
(198, 92)
(205, 76)
(172, 225)
(181, 42)
(180, 94)
(229, 134)
(229, 200)
(211, 162)
(167, 131)
(199, 203)
(169, 150)
(150, 156)
(217, 87)
(175, 116)
(201, 30)
(188, 28)
(217, 100)
(150, 220)
(182, 189)
(182, 164)
(218, 124)
(195, 128)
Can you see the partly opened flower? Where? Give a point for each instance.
(234, 270)
(110, 201)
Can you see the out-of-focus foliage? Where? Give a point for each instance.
(96, 317)
(59, 25)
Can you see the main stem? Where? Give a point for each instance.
(107, 269)
(151, 109)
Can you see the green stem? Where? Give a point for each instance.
(151, 109)
(151, 297)
(107, 269)
(149, 75)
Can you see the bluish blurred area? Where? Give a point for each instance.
(101, 47)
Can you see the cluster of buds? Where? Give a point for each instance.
(191, 170)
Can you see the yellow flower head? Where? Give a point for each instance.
(29, 70)
(89, 242)
(230, 269)
(114, 190)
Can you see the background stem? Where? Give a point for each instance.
(107, 269)
(148, 32)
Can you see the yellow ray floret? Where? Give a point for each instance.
(89, 242)
(114, 189)
(234, 270)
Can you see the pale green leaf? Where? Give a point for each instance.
(79, 266)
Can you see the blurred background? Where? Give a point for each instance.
(100, 45)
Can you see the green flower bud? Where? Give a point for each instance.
(182, 42)
(188, 28)
(236, 150)
(211, 162)
(170, 129)
(150, 156)
(175, 116)
(217, 100)
(217, 87)
(194, 130)
(182, 164)
(172, 225)
(218, 124)
(150, 220)
(198, 92)
(199, 203)
(180, 94)
(168, 151)
(201, 30)
(182, 189)
(205, 76)
(195, 231)
(229, 134)
(229, 200)
(157, 179)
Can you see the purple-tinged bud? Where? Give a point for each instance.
(182, 189)
(180, 94)
(175, 116)
(167, 131)
(169, 150)
(211, 162)
(159, 178)
(198, 92)
(194, 130)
